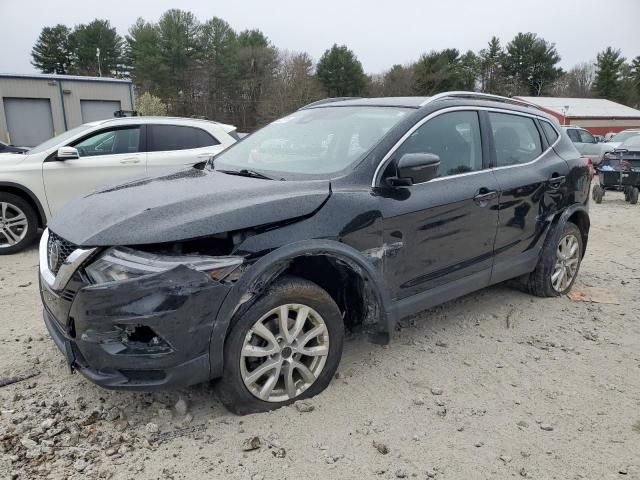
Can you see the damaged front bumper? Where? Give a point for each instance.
(146, 333)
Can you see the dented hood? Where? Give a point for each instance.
(183, 205)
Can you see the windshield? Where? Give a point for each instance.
(632, 142)
(622, 136)
(52, 142)
(312, 142)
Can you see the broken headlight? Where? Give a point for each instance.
(125, 263)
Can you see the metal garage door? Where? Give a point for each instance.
(29, 120)
(93, 110)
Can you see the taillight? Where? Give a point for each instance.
(589, 163)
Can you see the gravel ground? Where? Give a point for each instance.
(495, 385)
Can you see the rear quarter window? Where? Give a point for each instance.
(166, 138)
(549, 132)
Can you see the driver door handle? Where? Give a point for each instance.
(128, 161)
(484, 195)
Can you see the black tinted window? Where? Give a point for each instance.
(454, 137)
(164, 138)
(550, 132)
(515, 138)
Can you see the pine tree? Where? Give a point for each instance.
(492, 77)
(608, 82)
(51, 53)
(530, 62)
(85, 42)
(143, 56)
(341, 72)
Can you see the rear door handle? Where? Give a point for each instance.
(556, 181)
(206, 155)
(128, 161)
(484, 195)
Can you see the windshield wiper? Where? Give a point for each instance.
(246, 173)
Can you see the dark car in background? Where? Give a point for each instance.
(620, 170)
(347, 212)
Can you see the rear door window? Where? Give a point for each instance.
(516, 139)
(166, 138)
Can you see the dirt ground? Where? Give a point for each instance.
(495, 385)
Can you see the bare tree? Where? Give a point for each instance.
(577, 82)
(292, 86)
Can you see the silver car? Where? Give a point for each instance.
(587, 144)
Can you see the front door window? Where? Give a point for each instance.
(110, 142)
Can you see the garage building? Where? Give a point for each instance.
(34, 108)
(597, 115)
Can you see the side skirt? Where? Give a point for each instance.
(436, 296)
(503, 270)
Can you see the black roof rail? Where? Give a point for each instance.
(328, 100)
(479, 96)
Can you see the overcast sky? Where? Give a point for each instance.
(381, 33)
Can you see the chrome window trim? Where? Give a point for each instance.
(385, 160)
(68, 268)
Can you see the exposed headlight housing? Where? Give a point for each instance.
(121, 263)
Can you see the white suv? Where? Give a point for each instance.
(35, 185)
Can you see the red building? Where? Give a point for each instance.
(597, 115)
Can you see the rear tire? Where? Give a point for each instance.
(633, 196)
(18, 224)
(627, 194)
(597, 194)
(267, 366)
(559, 263)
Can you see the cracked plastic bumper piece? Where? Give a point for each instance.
(149, 333)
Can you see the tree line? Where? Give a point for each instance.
(186, 67)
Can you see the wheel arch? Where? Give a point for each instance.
(577, 214)
(27, 195)
(313, 260)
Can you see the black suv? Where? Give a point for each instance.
(347, 212)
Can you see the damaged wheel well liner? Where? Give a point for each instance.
(357, 303)
(348, 276)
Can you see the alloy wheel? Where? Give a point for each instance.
(284, 352)
(567, 262)
(13, 225)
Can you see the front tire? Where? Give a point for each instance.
(285, 347)
(18, 224)
(633, 196)
(559, 263)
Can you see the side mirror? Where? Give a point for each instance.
(67, 153)
(415, 168)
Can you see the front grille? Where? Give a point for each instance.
(58, 250)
